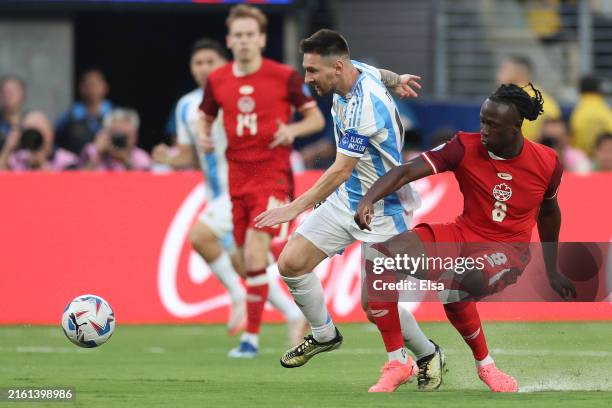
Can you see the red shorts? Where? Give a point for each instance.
(499, 263)
(248, 206)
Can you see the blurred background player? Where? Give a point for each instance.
(369, 137)
(258, 97)
(508, 183)
(211, 235)
(519, 70)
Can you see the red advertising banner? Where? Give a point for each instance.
(124, 237)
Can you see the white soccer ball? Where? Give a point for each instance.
(88, 321)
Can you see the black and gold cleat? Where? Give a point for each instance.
(299, 355)
(431, 369)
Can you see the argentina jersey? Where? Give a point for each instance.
(367, 126)
(213, 165)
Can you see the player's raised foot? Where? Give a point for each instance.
(297, 329)
(394, 374)
(497, 380)
(238, 318)
(431, 369)
(299, 355)
(244, 350)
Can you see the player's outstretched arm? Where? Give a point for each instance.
(392, 181)
(312, 122)
(204, 133)
(549, 225)
(333, 177)
(401, 85)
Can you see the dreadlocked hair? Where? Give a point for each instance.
(529, 107)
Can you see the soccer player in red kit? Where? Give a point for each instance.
(257, 97)
(508, 183)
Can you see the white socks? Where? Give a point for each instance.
(223, 269)
(414, 338)
(399, 354)
(308, 295)
(250, 338)
(487, 360)
(278, 298)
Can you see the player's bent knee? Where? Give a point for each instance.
(289, 266)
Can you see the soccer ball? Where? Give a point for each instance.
(88, 321)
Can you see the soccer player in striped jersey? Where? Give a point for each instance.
(369, 138)
(212, 235)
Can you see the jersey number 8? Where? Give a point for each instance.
(499, 211)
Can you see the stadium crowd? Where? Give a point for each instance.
(96, 134)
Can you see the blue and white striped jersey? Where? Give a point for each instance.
(214, 165)
(367, 125)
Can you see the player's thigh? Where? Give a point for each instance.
(407, 244)
(256, 248)
(299, 257)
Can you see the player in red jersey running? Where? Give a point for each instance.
(258, 97)
(508, 182)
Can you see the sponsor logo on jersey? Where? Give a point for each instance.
(502, 192)
(504, 176)
(246, 90)
(246, 104)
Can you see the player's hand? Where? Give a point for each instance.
(161, 154)
(276, 216)
(363, 215)
(407, 86)
(562, 285)
(204, 135)
(283, 136)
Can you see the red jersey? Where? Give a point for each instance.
(252, 106)
(502, 197)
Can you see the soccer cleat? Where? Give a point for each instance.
(238, 318)
(497, 380)
(431, 369)
(297, 329)
(393, 375)
(244, 350)
(299, 355)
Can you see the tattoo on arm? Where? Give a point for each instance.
(389, 78)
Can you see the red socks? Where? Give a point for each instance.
(386, 318)
(257, 294)
(464, 317)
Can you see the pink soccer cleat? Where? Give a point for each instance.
(497, 380)
(393, 375)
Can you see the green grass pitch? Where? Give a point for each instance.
(556, 364)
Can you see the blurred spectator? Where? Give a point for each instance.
(79, 125)
(12, 98)
(518, 70)
(603, 153)
(115, 147)
(591, 116)
(555, 134)
(36, 150)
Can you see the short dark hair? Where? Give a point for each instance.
(522, 61)
(325, 43)
(590, 83)
(528, 107)
(208, 44)
(602, 138)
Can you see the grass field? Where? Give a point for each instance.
(556, 364)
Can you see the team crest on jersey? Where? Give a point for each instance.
(246, 90)
(246, 104)
(502, 192)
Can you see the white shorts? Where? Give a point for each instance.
(332, 229)
(217, 215)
